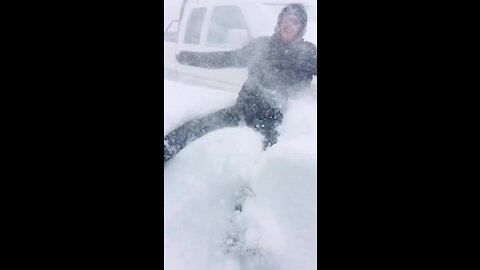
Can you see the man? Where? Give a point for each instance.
(278, 67)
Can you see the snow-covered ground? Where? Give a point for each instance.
(277, 227)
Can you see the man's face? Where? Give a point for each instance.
(289, 28)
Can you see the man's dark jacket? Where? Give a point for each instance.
(275, 70)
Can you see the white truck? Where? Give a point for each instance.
(221, 25)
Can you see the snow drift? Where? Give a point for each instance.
(276, 227)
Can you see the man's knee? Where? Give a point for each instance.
(275, 116)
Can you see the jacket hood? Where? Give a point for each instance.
(299, 11)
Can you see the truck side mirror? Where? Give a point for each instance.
(170, 35)
(237, 36)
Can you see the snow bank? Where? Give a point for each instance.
(277, 227)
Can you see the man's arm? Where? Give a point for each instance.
(237, 58)
(209, 59)
(309, 58)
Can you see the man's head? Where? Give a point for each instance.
(292, 23)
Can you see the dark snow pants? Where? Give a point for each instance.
(249, 110)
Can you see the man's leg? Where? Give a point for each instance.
(268, 127)
(271, 138)
(180, 137)
(266, 121)
(260, 115)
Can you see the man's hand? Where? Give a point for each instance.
(181, 58)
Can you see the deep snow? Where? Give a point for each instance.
(203, 183)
